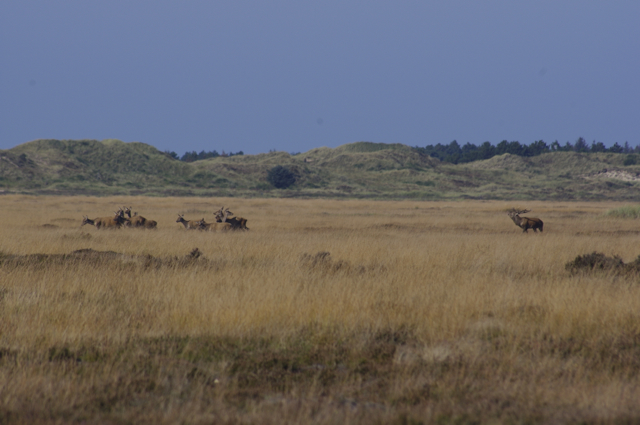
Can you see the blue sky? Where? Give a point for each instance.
(295, 75)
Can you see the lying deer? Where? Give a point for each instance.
(138, 220)
(525, 223)
(237, 223)
(213, 227)
(188, 224)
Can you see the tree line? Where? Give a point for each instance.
(469, 152)
(195, 156)
(456, 154)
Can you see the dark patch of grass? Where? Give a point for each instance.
(425, 183)
(322, 263)
(597, 262)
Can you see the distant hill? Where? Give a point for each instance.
(359, 170)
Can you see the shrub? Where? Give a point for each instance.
(281, 177)
(598, 262)
(594, 262)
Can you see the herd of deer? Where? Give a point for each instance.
(225, 222)
(123, 217)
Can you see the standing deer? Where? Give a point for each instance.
(525, 223)
(188, 224)
(125, 221)
(107, 222)
(237, 223)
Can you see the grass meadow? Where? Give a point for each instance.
(324, 312)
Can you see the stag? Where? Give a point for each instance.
(188, 224)
(107, 222)
(125, 221)
(213, 227)
(237, 223)
(525, 223)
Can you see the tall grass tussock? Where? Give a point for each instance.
(324, 312)
(627, 211)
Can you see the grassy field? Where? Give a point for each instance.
(324, 312)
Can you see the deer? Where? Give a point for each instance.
(125, 221)
(237, 223)
(138, 220)
(525, 223)
(188, 224)
(149, 224)
(213, 227)
(114, 222)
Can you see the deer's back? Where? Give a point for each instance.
(138, 220)
(216, 227)
(150, 224)
(238, 222)
(106, 222)
(531, 223)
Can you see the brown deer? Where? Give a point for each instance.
(138, 220)
(125, 221)
(149, 224)
(188, 224)
(87, 220)
(237, 223)
(114, 222)
(525, 223)
(213, 227)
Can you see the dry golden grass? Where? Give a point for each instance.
(422, 312)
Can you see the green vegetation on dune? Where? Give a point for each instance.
(356, 170)
(362, 147)
(90, 165)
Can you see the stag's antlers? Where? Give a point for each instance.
(517, 212)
